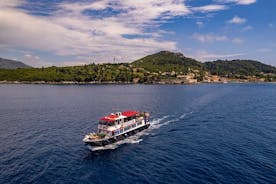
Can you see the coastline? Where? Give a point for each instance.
(132, 83)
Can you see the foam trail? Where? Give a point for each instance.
(157, 121)
(107, 147)
(185, 114)
(158, 125)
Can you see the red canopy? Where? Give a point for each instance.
(113, 117)
(130, 113)
(110, 117)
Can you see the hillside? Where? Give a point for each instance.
(166, 61)
(162, 67)
(86, 73)
(11, 64)
(238, 67)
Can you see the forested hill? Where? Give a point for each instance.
(11, 64)
(238, 67)
(162, 66)
(166, 61)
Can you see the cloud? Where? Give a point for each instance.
(70, 32)
(264, 50)
(237, 40)
(203, 55)
(209, 37)
(34, 60)
(100, 29)
(10, 3)
(210, 8)
(199, 24)
(237, 20)
(35, 33)
(247, 28)
(239, 2)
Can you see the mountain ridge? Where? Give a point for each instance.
(12, 64)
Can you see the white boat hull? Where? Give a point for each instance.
(111, 140)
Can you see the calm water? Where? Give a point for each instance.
(200, 134)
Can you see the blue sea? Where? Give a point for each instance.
(207, 133)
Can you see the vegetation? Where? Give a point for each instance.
(160, 66)
(236, 68)
(166, 61)
(86, 73)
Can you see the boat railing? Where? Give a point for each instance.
(140, 118)
(98, 136)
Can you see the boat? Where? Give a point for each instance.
(117, 126)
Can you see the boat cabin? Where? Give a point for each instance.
(117, 120)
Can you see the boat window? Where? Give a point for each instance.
(129, 118)
(102, 122)
(127, 128)
(110, 123)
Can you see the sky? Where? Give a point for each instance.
(60, 33)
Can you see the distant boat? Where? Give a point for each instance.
(116, 127)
